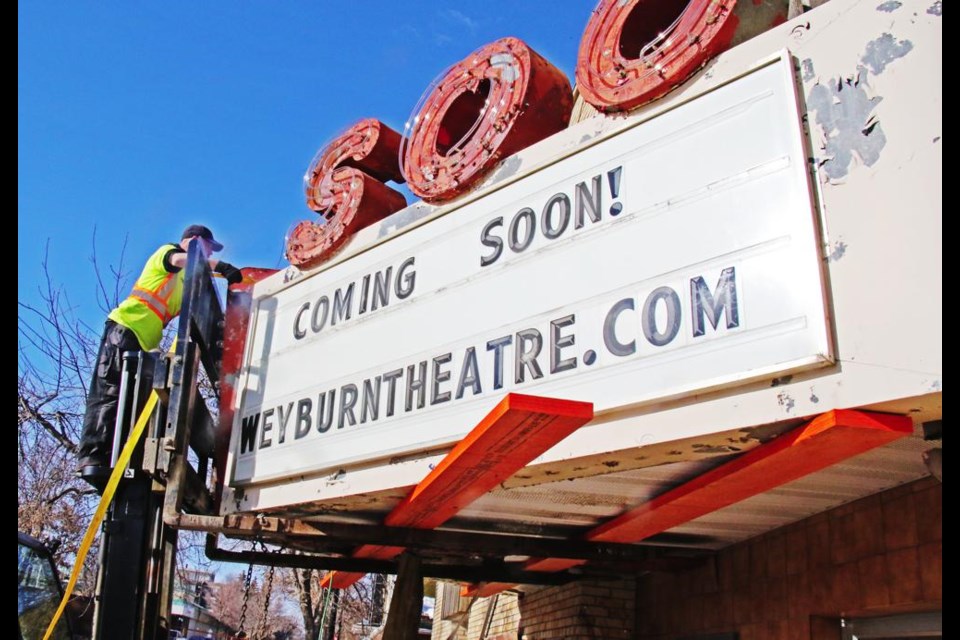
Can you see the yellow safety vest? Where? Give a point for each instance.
(154, 301)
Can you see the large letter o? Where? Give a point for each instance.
(499, 100)
(634, 51)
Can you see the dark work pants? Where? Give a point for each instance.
(96, 439)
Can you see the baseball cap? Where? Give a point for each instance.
(203, 232)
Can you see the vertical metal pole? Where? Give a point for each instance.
(120, 429)
(98, 587)
(138, 550)
(127, 605)
(122, 540)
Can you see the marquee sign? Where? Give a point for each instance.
(676, 256)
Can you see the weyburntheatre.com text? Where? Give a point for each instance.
(632, 327)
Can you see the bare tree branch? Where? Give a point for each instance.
(56, 351)
(109, 294)
(56, 433)
(71, 491)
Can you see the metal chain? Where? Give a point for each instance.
(261, 626)
(268, 587)
(247, 580)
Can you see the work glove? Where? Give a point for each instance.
(230, 272)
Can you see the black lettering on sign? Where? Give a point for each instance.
(610, 339)
(248, 432)
(265, 440)
(671, 304)
(304, 418)
(555, 214)
(391, 377)
(528, 347)
(348, 398)
(444, 378)
(723, 302)
(469, 374)
(374, 293)
(416, 385)
(497, 346)
(325, 410)
(371, 400)
(558, 341)
(439, 376)
(284, 421)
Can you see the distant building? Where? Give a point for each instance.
(190, 613)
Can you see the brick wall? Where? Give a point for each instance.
(881, 554)
(505, 621)
(583, 610)
(446, 625)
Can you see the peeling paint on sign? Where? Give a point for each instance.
(404, 218)
(291, 274)
(935, 9)
(890, 6)
(843, 111)
(507, 168)
(718, 449)
(785, 401)
(883, 51)
(837, 251)
(776, 382)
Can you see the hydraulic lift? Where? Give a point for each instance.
(138, 550)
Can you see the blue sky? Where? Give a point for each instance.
(136, 119)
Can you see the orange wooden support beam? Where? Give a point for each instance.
(550, 565)
(340, 579)
(824, 441)
(514, 433)
(376, 552)
(484, 589)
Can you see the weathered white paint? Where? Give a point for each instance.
(882, 233)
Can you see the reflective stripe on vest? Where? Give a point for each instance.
(157, 299)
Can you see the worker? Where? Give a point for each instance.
(137, 324)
